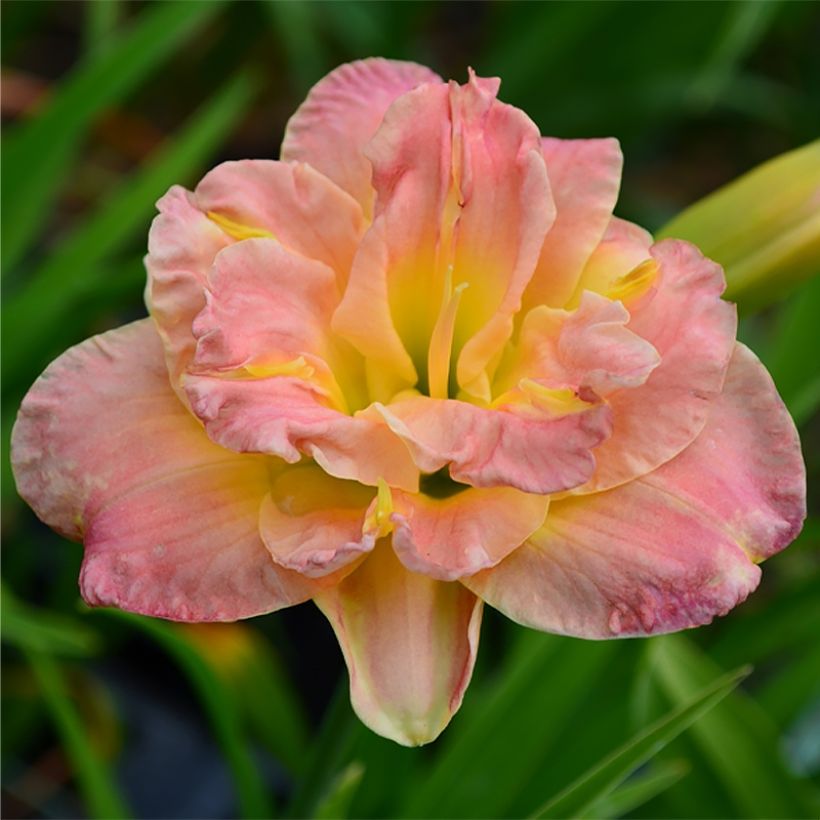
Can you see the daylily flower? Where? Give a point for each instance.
(415, 366)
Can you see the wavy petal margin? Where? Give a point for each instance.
(104, 451)
(675, 548)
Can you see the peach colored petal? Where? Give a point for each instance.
(409, 643)
(448, 538)
(182, 244)
(388, 309)
(672, 549)
(288, 417)
(104, 452)
(341, 114)
(588, 349)
(315, 524)
(746, 467)
(462, 200)
(624, 246)
(693, 330)
(265, 306)
(506, 210)
(585, 176)
(300, 207)
(526, 448)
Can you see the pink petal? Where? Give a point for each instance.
(182, 244)
(585, 176)
(315, 524)
(588, 348)
(524, 448)
(340, 115)
(693, 330)
(746, 466)
(409, 643)
(623, 247)
(265, 306)
(105, 452)
(507, 211)
(448, 538)
(303, 210)
(672, 549)
(288, 417)
(462, 198)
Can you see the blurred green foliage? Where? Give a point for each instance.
(105, 105)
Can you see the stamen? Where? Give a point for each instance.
(635, 283)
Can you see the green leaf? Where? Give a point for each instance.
(797, 334)
(639, 790)
(296, 26)
(580, 796)
(247, 664)
(76, 266)
(95, 780)
(336, 804)
(764, 227)
(37, 153)
(42, 631)
(746, 23)
(738, 740)
(102, 17)
(792, 687)
(475, 773)
(221, 709)
(331, 749)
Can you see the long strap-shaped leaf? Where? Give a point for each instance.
(603, 778)
(95, 780)
(65, 276)
(36, 154)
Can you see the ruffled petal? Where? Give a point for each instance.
(182, 244)
(448, 538)
(315, 524)
(586, 349)
(265, 308)
(675, 548)
(463, 204)
(534, 449)
(292, 202)
(693, 330)
(340, 115)
(288, 417)
(409, 643)
(104, 451)
(585, 176)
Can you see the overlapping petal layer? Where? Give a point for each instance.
(585, 176)
(694, 331)
(448, 538)
(105, 452)
(340, 115)
(528, 448)
(672, 549)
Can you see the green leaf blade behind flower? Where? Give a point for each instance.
(737, 739)
(76, 266)
(600, 781)
(37, 152)
(96, 782)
